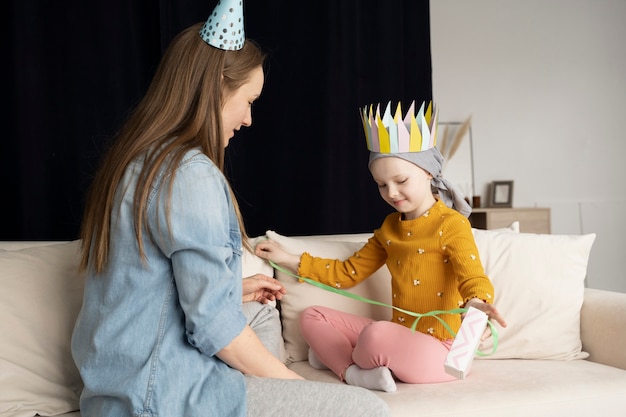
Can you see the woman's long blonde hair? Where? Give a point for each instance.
(180, 111)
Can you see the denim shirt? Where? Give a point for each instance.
(146, 337)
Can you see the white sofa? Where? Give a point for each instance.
(563, 353)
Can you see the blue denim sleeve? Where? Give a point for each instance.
(203, 241)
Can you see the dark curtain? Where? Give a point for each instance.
(75, 70)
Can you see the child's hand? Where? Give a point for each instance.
(490, 310)
(270, 250)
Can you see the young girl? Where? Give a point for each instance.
(434, 263)
(162, 330)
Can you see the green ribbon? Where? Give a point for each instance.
(418, 316)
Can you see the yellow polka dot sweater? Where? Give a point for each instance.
(433, 261)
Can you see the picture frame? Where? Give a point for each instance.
(501, 194)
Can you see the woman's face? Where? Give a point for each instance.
(237, 110)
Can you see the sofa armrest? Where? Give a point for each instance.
(603, 327)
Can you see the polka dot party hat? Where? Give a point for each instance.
(224, 28)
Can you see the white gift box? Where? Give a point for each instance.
(459, 360)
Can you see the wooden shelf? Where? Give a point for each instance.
(531, 220)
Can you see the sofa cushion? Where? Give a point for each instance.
(302, 295)
(538, 280)
(40, 296)
(539, 286)
(252, 264)
(507, 387)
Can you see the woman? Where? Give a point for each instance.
(161, 331)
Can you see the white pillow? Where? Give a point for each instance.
(539, 287)
(538, 280)
(252, 264)
(301, 295)
(40, 296)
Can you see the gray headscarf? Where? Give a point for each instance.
(431, 161)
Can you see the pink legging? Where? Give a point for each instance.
(340, 339)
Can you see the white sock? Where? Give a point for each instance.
(315, 362)
(378, 378)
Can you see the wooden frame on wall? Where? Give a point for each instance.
(501, 194)
(454, 141)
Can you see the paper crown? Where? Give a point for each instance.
(224, 27)
(394, 134)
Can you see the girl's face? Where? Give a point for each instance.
(403, 185)
(237, 110)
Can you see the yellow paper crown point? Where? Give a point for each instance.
(396, 134)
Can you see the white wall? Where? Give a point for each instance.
(545, 83)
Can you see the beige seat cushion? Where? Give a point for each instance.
(508, 387)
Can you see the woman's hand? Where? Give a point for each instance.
(490, 311)
(270, 250)
(261, 288)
